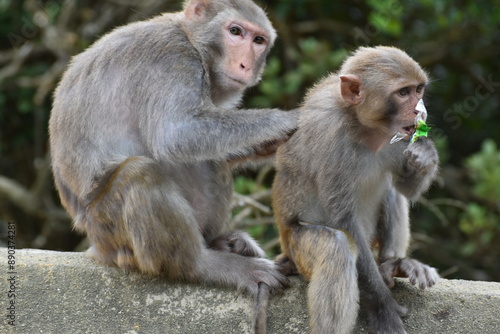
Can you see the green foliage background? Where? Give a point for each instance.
(456, 226)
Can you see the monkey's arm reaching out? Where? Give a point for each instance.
(214, 132)
(234, 135)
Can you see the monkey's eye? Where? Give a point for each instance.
(259, 40)
(235, 31)
(404, 91)
(420, 88)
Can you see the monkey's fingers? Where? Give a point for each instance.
(422, 152)
(432, 276)
(238, 242)
(267, 272)
(416, 271)
(286, 266)
(426, 276)
(284, 284)
(277, 290)
(269, 148)
(389, 269)
(243, 244)
(389, 281)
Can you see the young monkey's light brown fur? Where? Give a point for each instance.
(341, 188)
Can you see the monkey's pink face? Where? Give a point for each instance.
(245, 46)
(407, 99)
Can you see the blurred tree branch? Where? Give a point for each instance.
(32, 200)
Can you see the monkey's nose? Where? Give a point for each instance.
(244, 67)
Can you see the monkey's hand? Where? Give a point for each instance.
(418, 169)
(407, 267)
(260, 152)
(238, 242)
(286, 266)
(421, 156)
(264, 271)
(268, 148)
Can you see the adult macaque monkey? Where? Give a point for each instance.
(342, 188)
(144, 131)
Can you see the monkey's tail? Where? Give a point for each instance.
(259, 321)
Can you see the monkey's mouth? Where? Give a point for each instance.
(236, 80)
(409, 130)
(405, 133)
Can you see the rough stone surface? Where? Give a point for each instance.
(67, 293)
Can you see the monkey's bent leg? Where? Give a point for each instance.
(384, 313)
(327, 257)
(141, 221)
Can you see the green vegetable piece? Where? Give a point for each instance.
(421, 130)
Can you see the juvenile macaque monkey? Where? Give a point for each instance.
(341, 188)
(144, 131)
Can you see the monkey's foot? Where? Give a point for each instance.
(416, 271)
(387, 318)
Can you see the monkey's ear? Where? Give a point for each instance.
(196, 9)
(351, 88)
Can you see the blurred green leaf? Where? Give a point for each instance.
(484, 169)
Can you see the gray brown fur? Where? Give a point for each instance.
(336, 194)
(144, 131)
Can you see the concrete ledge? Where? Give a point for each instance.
(67, 293)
